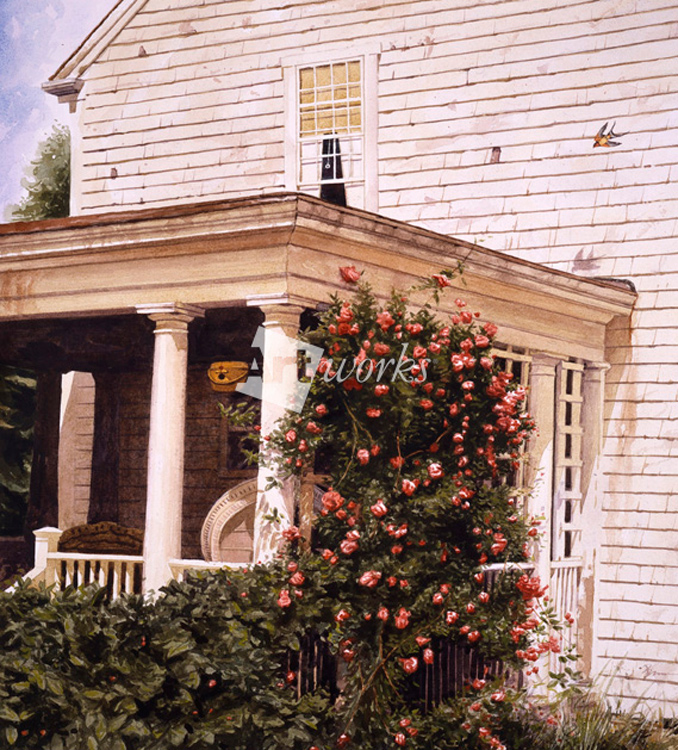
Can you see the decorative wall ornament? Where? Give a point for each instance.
(224, 376)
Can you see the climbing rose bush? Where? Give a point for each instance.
(418, 431)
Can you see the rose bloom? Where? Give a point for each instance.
(290, 436)
(348, 546)
(441, 280)
(422, 640)
(379, 510)
(383, 613)
(385, 320)
(370, 578)
(470, 608)
(284, 598)
(349, 274)
(409, 487)
(321, 410)
(292, 566)
(396, 462)
(438, 598)
(363, 456)
(410, 665)
(435, 471)
(490, 329)
(392, 580)
(473, 636)
(332, 500)
(396, 549)
(373, 413)
(381, 349)
(297, 579)
(451, 617)
(343, 740)
(342, 615)
(313, 428)
(400, 739)
(375, 450)
(419, 351)
(402, 619)
(291, 534)
(499, 696)
(428, 656)
(381, 389)
(484, 597)
(426, 404)
(482, 342)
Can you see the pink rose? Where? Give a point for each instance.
(332, 500)
(435, 471)
(291, 534)
(313, 428)
(297, 579)
(381, 390)
(363, 456)
(402, 619)
(370, 578)
(410, 665)
(379, 510)
(426, 404)
(490, 329)
(441, 280)
(382, 614)
(422, 640)
(409, 487)
(342, 615)
(400, 739)
(373, 413)
(348, 546)
(482, 342)
(321, 410)
(428, 656)
(284, 598)
(381, 349)
(384, 320)
(349, 274)
(419, 352)
(290, 436)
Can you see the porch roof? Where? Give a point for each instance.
(285, 247)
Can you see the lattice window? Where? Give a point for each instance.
(516, 361)
(567, 498)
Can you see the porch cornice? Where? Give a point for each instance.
(283, 245)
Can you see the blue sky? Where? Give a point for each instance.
(36, 36)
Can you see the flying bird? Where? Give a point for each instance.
(605, 139)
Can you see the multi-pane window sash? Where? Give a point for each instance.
(330, 133)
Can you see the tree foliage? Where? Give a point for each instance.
(49, 182)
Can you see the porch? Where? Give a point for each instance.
(95, 299)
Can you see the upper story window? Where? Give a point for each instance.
(331, 130)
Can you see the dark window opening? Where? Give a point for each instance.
(332, 187)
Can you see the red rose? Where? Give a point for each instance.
(313, 428)
(342, 615)
(332, 500)
(381, 389)
(402, 619)
(379, 510)
(410, 665)
(384, 320)
(375, 450)
(397, 462)
(419, 351)
(381, 349)
(435, 471)
(297, 579)
(284, 598)
(400, 739)
(428, 656)
(438, 598)
(321, 410)
(451, 617)
(499, 696)
(349, 274)
(409, 487)
(482, 342)
(348, 546)
(422, 640)
(426, 404)
(373, 413)
(370, 578)
(383, 614)
(473, 636)
(484, 597)
(290, 436)
(343, 740)
(490, 329)
(291, 534)
(363, 456)
(441, 280)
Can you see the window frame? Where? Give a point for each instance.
(368, 56)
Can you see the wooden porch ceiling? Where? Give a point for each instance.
(284, 247)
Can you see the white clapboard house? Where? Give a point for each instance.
(536, 142)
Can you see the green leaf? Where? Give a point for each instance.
(11, 733)
(8, 714)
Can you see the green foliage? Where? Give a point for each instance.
(48, 186)
(202, 667)
(17, 406)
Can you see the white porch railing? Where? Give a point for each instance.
(564, 592)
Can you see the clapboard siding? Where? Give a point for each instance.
(198, 113)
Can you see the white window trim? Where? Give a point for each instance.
(370, 59)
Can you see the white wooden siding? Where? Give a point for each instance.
(198, 114)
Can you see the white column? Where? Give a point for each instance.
(593, 392)
(162, 537)
(280, 379)
(542, 407)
